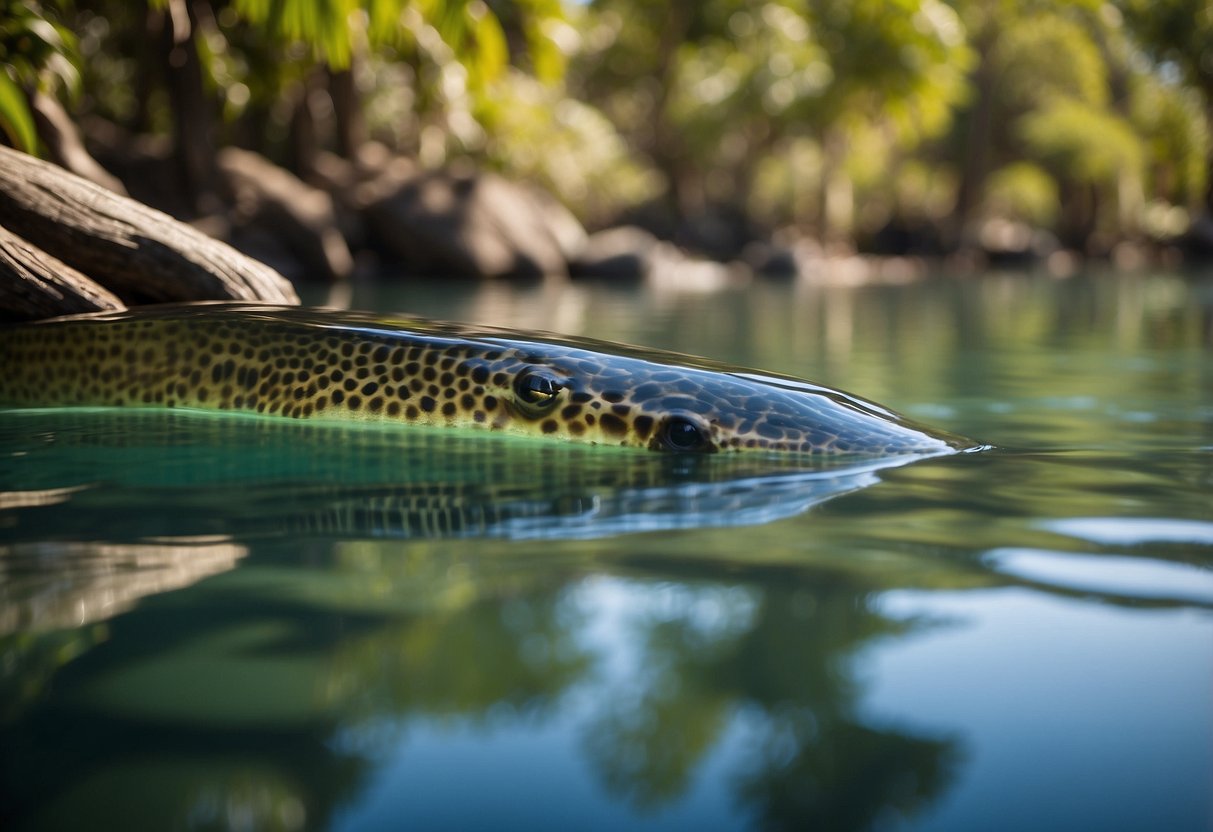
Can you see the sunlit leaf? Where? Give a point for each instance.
(15, 116)
(491, 54)
(1086, 143)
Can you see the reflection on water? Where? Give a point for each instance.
(650, 686)
(211, 623)
(57, 585)
(372, 482)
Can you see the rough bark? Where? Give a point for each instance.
(136, 252)
(34, 284)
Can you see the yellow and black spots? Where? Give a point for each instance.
(310, 364)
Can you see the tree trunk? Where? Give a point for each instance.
(976, 161)
(34, 284)
(304, 138)
(668, 145)
(134, 251)
(193, 117)
(149, 68)
(347, 110)
(837, 191)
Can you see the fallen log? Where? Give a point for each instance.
(34, 284)
(136, 252)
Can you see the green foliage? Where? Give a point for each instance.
(1045, 55)
(570, 148)
(903, 61)
(1170, 120)
(1088, 144)
(15, 117)
(1023, 191)
(325, 26)
(35, 49)
(710, 90)
(35, 53)
(1179, 32)
(783, 108)
(469, 30)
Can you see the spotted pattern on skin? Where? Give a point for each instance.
(310, 364)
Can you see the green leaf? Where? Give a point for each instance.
(15, 116)
(490, 53)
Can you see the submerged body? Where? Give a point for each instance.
(306, 363)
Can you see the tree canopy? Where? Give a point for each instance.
(832, 117)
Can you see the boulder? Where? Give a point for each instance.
(272, 200)
(627, 252)
(475, 225)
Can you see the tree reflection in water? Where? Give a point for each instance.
(779, 656)
(225, 701)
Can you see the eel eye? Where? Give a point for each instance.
(684, 435)
(537, 388)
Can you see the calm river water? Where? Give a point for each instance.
(236, 623)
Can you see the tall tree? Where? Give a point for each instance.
(1179, 35)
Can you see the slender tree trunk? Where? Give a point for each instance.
(1079, 210)
(667, 143)
(193, 111)
(150, 67)
(976, 160)
(1208, 206)
(303, 143)
(347, 109)
(837, 191)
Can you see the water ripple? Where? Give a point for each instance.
(1132, 531)
(1121, 576)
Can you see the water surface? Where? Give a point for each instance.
(213, 622)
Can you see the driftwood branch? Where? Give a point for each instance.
(136, 252)
(33, 284)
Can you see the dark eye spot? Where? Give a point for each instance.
(537, 388)
(683, 435)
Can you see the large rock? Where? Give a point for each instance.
(274, 200)
(478, 225)
(624, 253)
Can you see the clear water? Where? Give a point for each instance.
(235, 623)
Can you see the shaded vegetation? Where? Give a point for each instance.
(903, 127)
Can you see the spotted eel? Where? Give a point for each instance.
(316, 364)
